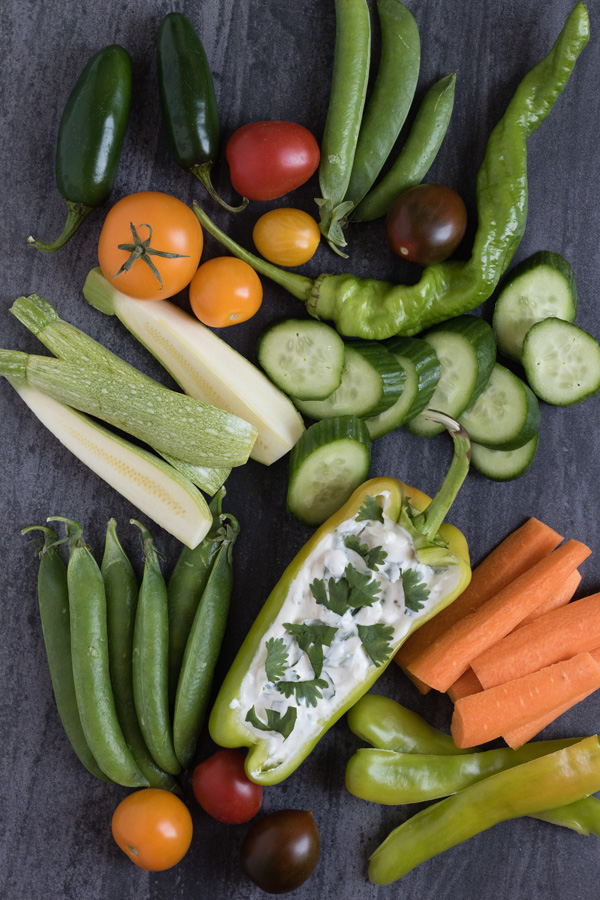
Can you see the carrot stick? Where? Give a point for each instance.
(489, 714)
(441, 664)
(558, 635)
(467, 683)
(517, 553)
(562, 596)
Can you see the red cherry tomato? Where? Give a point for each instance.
(223, 789)
(426, 224)
(270, 159)
(281, 851)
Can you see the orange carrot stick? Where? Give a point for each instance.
(485, 716)
(563, 595)
(516, 554)
(558, 635)
(445, 660)
(468, 683)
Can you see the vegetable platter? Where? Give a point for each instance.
(275, 61)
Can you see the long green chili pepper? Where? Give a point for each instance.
(120, 582)
(370, 309)
(53, 599)
(417, 154)
(390, 101)
(346, 101)
(91, 667)
(557, 779)
(203, 647)
(185, 588)
(90, 138)
(151, 660)
(188, 101)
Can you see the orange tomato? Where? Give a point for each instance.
(150, 245)
(225, 291)
(153, 827)
(287, 237)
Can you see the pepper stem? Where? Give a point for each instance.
(202, 173)
(298, 285)
(428, 522)
(76, 213)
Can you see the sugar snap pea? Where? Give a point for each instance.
(53, 599)
(89, 652)
(151, 660)
(121, 585)
(203, 647)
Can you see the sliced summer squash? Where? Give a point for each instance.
(152, 485)
(204, 366)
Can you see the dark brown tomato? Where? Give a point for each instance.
(426, 224)
(281, 850)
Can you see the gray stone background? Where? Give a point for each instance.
(272, 60)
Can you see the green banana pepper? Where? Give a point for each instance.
(324, 635)
(374, 310)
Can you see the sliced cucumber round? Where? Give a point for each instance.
(503, 465)
(328, 463)
(561, 362)
(303, 357)
(506, 414)
(541, 286)
(422, 367)
(466, 349)
(372, 381)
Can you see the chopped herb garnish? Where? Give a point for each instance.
(373, 557)
(312, 639)
(307, 691)
(353, 591)
(277, 659)
(376, 640)
(363, 589)
(282, 724)
(370, 511)
(416, 591)
(337, 598)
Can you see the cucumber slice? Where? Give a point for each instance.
(541, 286)
(372, 381)
(503, 465)
(466, 349)
(506, 414)
(561, 362)
(303, 357)
(328, 463)
(422, 367)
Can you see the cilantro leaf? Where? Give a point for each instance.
(337, 598)
(277, 659)
(373, 557)
(307, 691)
(376, 639)
(363, 589)
(370, 511)
(311, 639)
(416, 591)
(282, 724)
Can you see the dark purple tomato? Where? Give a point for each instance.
(281, 851)
(426, 224)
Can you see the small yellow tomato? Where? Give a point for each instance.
(225, 291)
(287, 237)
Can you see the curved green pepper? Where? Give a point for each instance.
(280, 734)
(374, 310)
(90, 138)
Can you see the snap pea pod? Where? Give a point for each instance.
(121, 585)
(53, 599)
(91, 668)
(375, 310)
(151, 660)
(90, 138)
(203, 647)
(417, 154)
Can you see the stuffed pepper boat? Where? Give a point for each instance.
(369, 576)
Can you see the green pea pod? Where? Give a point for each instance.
(121, 587)
(390, 101)
(416, 156)
(188, 101)
(185, 588)
(90, 138)
(53, 599)
(151, 660)
(91, 669)
(375, 310)
(202, 649)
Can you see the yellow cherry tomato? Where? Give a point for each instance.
(287, 237)
(153, 827)
(225, 291)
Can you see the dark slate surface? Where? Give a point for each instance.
(272, 60)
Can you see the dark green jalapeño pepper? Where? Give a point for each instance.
(188, 101)
(369, 576)
(90, 138)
